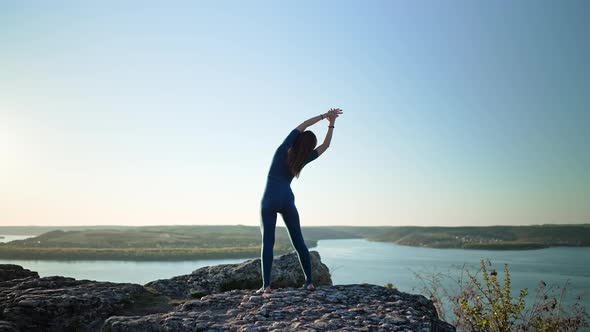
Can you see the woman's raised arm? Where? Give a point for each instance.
(332, 115)
(311, 121)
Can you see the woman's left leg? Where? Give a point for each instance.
(291, 218)
(268, 219)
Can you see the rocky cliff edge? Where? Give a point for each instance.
(212, 298)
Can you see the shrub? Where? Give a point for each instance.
(488, 306)
(484, 303)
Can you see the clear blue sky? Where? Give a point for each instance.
(134, 112)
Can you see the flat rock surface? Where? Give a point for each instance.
(7, 326)
(286, 272)
(354, 307)
(66, 304)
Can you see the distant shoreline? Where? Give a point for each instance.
(61, 254)
(502, 247)
(177, 243)
(84, 254)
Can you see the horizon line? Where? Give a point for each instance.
(193, 225)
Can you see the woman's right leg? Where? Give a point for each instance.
(267, 228)
(291, 217)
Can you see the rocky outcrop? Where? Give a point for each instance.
(354, 307)
(66, 304)
(31, 303)
(7, 326)
(11, 271)
(286, 272)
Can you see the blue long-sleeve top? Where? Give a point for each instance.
(279, 178)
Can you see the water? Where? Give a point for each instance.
(358, 260)
(116, 271)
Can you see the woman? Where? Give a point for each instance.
(290, 157)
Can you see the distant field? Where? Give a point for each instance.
(239, 241)
(142, 243)
(490, 238)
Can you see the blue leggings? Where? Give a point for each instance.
(290, 215)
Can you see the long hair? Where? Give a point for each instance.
(300, 151)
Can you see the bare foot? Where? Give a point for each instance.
(266, 290)
(262, 290)
(310, 287)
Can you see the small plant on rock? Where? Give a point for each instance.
(389, 285)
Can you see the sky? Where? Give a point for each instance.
(167, 113)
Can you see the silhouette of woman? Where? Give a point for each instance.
(297, 149)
